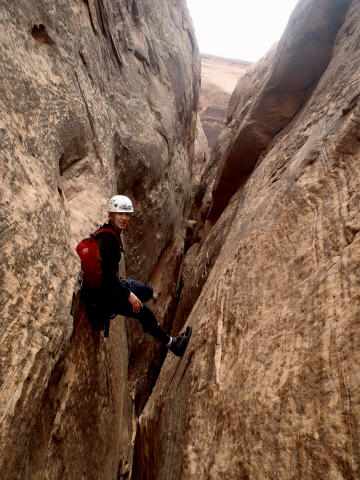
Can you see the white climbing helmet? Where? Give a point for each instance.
(120, 203)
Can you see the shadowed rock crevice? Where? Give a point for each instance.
(143, 379)
(91, 123)
(135, 11)
(142, 373)
(85, 63)
(40, 34)
(75, 143)
(87, 7)
(101, 16)
(107, 32)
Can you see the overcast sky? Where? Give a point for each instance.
(241, 29)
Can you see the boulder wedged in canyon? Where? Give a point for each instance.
(97, 97)
(269, 386)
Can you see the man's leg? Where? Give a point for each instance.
(143, 291)
(148, 321)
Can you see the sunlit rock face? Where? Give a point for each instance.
(219, 77)
(269, 385)
(97, 97)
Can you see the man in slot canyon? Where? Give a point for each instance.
(119, 296)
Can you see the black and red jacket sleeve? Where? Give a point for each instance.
(110, 251)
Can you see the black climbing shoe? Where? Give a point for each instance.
(179, 343)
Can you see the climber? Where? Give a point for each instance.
(125, 296)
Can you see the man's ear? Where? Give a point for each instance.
(111, 215)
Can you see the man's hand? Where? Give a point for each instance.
(135, 303)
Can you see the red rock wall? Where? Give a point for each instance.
(97, 97)
(269, 386)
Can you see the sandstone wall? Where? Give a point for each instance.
(260, 109)
(269, 386)
(97, 97)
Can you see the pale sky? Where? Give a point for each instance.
(240, 29)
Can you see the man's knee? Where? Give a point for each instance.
(142, 290)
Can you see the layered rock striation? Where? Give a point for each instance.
(97, 97)
(219, 77)
(269, 385)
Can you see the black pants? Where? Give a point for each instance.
(146, 316)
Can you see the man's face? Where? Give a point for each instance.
(120, 219)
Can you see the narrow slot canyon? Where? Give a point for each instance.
(247, 230)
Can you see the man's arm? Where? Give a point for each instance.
(135, 302)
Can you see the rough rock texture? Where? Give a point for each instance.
(269, 386)
(85, 427)
(219, 77)
(97, 97)
(301, 57)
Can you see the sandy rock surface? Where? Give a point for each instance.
(269, 385)
(97, 97)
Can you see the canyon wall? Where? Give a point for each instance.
(97, 97)
(269, 385)
(100, 97)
